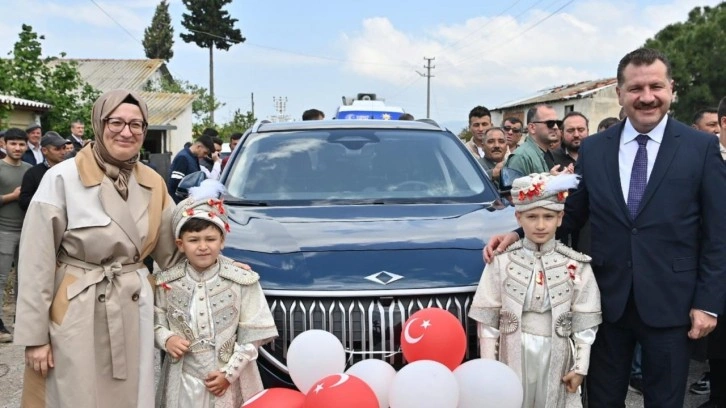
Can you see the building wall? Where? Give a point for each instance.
(20, 118)
(595, 107)
(176, 138)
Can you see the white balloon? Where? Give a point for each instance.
(313, 355)
(488, 383)
(424, 384)
(378, 375)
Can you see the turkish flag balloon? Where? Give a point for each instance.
(276, 398)
(434, 334)
(341, 390)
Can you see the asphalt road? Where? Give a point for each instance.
(11, 378)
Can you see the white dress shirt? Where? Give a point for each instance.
(36, 152)
(629, 148)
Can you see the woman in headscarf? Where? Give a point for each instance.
(85, 305)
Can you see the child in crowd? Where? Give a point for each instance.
(539, 299)
(210, 316)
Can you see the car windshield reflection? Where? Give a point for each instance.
(354, 167)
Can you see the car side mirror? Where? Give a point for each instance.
(507, 177)
(189, 181)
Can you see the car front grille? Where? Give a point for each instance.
(368, 327)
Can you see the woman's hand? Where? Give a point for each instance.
(177, 346)
(216, 383)
(572, 380)
(39, 358)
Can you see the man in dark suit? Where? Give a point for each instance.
(653, 189)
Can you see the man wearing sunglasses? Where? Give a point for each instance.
(534, 155)
(512, 128)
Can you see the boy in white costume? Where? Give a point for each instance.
(539, 300)
(210, 316)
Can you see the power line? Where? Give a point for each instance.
(114, 20)
(540, 21)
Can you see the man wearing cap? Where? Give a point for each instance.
(53, 147)
(187, 162)
(33, 155)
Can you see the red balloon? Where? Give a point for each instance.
(434, 334)
(276, 398)
(341, 390)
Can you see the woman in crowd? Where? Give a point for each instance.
(85, 305)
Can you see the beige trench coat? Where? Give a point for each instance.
(575, 302)
(83, 288)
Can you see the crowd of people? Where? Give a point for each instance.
(639, 202)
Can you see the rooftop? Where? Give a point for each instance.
(563, 92)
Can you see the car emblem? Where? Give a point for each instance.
(384, 277)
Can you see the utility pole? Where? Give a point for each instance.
(428, 76)
(252, 101)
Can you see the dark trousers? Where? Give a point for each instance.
(718, 379)
(664, 362)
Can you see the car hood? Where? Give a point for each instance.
(368, 247)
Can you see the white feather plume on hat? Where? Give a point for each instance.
(542, 190)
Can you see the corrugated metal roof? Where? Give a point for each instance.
(563, 92)
(165, 107)
(24, 102)
(108, 74)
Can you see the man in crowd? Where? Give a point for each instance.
(534, 155)
(480, 119)
(513, 131)
(53, 147)
(659, 251)
(574, 130)
(12, 169)
(215, 170)
(495, 148)
(716, 348)
(234, 139)
(187, 162)
(33, 155)
(706, 120)
(606, 123)
(313, 114)
(76, 138)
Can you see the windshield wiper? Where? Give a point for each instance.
(245, 203)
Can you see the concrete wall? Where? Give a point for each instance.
(20, 118)
(176, 138)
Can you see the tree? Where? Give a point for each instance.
(159, 36)
(210, 27)
(697, 51)
(239, 124)
(30, 76)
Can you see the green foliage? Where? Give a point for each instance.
(210, 25)
(697, 51)
(28, 75)
(159, 36)
(465, 134)
(239, 124)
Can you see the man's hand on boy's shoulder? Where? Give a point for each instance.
(498, 244)
(177, 346)
(216, 383)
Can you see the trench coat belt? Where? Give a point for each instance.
(95, 274)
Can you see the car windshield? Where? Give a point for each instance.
(356, 166)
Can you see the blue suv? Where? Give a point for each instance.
(354, 225)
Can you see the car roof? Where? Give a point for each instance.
(421, 124)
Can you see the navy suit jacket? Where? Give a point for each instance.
(672, 256)
(29, 157)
